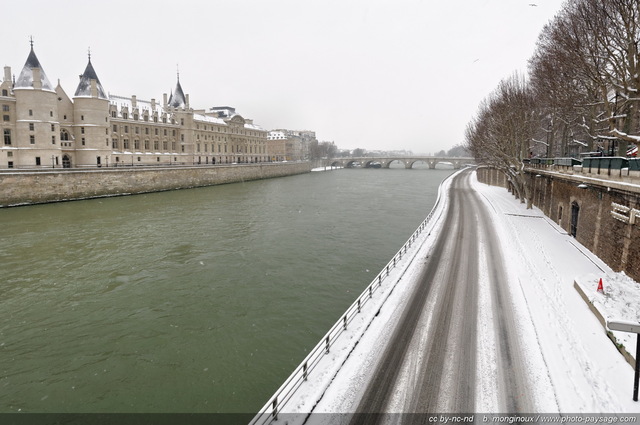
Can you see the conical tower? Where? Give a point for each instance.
(91, 117)
(37, 123)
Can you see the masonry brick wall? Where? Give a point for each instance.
(17, 188)
(614, 241)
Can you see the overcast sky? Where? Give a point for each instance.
(374, 74)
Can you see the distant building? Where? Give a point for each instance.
(292, 145)
(43, 127)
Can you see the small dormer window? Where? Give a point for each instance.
(125, 115)
(113, 114)
(135, 117)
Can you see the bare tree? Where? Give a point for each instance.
(586, 70)
(501, 133)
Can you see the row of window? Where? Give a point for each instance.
(145, 117)
(232, 130)
(125, 129)
(53, 127)
(234, 148)
(32, 138)
(115, 144)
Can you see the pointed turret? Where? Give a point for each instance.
(33, 75)
(178, 99)
(86, 87)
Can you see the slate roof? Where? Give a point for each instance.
(84, 87)
(25, 80)
(178, 99)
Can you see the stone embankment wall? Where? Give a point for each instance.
(35, 187)
(603, 214)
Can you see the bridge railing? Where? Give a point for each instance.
(270, 411)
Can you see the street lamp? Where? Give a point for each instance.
(630, 327)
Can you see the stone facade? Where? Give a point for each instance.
(45, 128)
(291, 145)
(602, 215)
(41, 186)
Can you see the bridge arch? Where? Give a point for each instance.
(417, 164)
(394, 162)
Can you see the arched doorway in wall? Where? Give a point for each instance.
(575, 211)
(66, 161)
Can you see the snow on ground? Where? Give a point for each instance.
(573, 366)
(619, 301)
(327, 168)
(586, 371)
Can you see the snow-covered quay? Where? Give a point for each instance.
(572, 365)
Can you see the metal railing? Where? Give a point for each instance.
(565, 162)
(271, 410)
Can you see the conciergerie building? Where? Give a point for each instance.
(43, 127)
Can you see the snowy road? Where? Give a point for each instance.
(484, 318)
(430, 362)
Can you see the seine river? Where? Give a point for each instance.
(199, 300)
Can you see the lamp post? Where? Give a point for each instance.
(631, 327)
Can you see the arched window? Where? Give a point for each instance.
(64, 135)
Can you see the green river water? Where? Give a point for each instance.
(199, 300)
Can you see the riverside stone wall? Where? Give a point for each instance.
(601, 213)
(34, 187)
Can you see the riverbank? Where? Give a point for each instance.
(38, 187)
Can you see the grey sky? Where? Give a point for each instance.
(375, 74)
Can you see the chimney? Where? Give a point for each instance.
(37, 79)
(187, 101)
(164, 100)
(94, 88)
(134, 101)
(7, 73)
(153, 104)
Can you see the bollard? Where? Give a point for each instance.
(327, 345)
(345, 322)
(358, 305)
(304, 371)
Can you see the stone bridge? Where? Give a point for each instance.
(408, 161)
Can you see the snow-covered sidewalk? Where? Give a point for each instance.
(586, 371)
